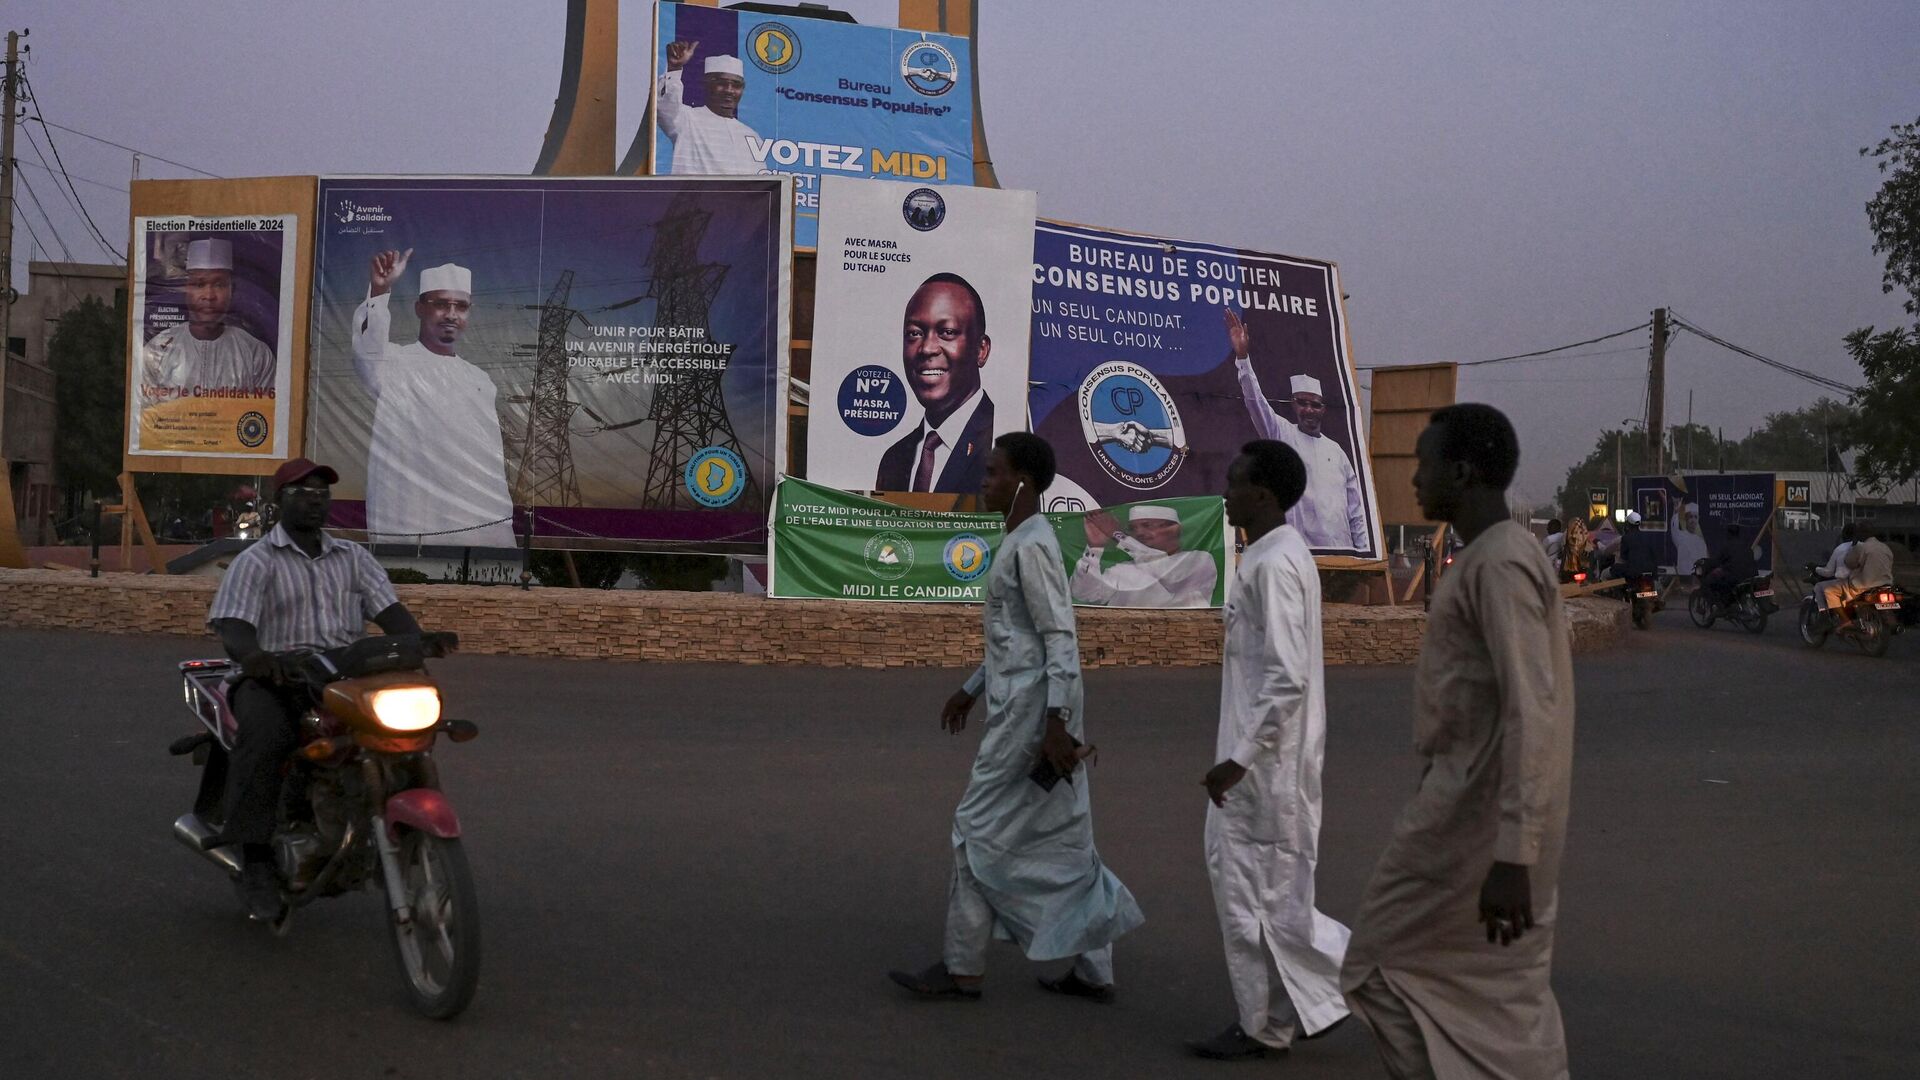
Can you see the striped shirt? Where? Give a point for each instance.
(298, 602)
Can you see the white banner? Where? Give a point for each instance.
(921, 318)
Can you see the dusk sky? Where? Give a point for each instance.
(1492, 177)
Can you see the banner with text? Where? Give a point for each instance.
(608, 352)
(738, 93)
(1695, 510)
(1154, 360)
(834, 545)
(920, 334)
(215, 337)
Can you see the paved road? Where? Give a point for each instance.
(705, 871)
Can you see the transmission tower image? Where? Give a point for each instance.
(544, 476)
(689, 413)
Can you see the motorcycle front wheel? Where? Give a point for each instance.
(1700, 608)
(439, 948)
(1813, 625)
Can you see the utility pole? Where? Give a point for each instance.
(11, 103)
(1657, 394)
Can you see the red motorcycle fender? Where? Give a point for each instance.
(424, 809)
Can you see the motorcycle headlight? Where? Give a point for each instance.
(406, 708)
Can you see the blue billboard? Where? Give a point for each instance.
(738, 93)
(1696, 511)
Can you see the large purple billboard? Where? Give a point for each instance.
(601, 359)
(1155, 360)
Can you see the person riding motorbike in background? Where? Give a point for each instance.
(296, 588)
(1732, 565)
(1834, 575)
(1869, 566)
(1640, 551)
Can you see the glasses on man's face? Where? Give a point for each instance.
(304, 492)
(449, 306)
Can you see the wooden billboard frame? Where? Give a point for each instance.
(1403, 399)
(295, 196)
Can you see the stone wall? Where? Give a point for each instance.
(729, 627)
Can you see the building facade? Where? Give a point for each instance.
(27, 435)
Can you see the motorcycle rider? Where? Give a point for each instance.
(295, 588)
(1640, 551)
(1869, 566)
(1731, 566)
(1834, 575)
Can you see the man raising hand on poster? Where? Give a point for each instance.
(709, 140)
(436, 468)
(1332, 513)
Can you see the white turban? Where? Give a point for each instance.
(1152, 513)
(1306, 384)
(446, 278)
(212, 253)
(726, 65)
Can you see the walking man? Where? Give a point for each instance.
(1263, 829)
(1453, 946)
(1024, 864)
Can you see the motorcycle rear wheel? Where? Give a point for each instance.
(1751, 615)
(1873, 635)
(1700, 609)
(1641, 615)
(439, 950)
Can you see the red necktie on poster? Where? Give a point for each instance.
(923, 479)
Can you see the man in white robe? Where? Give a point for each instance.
(1451, 957)
(1024, 865)
(436, 466)
(1158, 575)
(206, 352)
(709, 140)
(1332, 515)
(1263, 827)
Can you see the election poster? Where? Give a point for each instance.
(601, 361)
(211, 375)
(829, 544)
(739, 93)
(920, 334)
(1696, 511)
(1155, 360)
(1162, 553)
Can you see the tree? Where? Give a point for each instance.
(86, 353)
(1888, 430)
(1797, 440)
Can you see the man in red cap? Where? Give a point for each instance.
(296, 589)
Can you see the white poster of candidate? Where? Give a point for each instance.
(213, 318)
(921, 320)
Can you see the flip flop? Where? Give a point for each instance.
(935, 982)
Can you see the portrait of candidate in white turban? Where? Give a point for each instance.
(208, 353)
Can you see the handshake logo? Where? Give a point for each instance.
(1132, 425)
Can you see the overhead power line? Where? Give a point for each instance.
(44, 122)
(26, 85)
(82, 179)
(1538, 353)
(1797, 372)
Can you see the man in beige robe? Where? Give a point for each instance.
(1453, 946)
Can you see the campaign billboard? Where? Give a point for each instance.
(601, 359)
(1154, 360)
(742, 93)
(1695, 510)
(920, 334)
(211, 375)
(834, 545)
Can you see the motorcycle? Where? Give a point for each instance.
(1869, 619)
(361, 802)
(1643, 591)
(1747, 603)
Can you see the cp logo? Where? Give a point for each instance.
(1126, 399)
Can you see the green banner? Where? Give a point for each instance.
(830, 544)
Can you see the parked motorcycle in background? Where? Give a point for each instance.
(362, 802)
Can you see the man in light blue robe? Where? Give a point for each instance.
(1024, 864)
